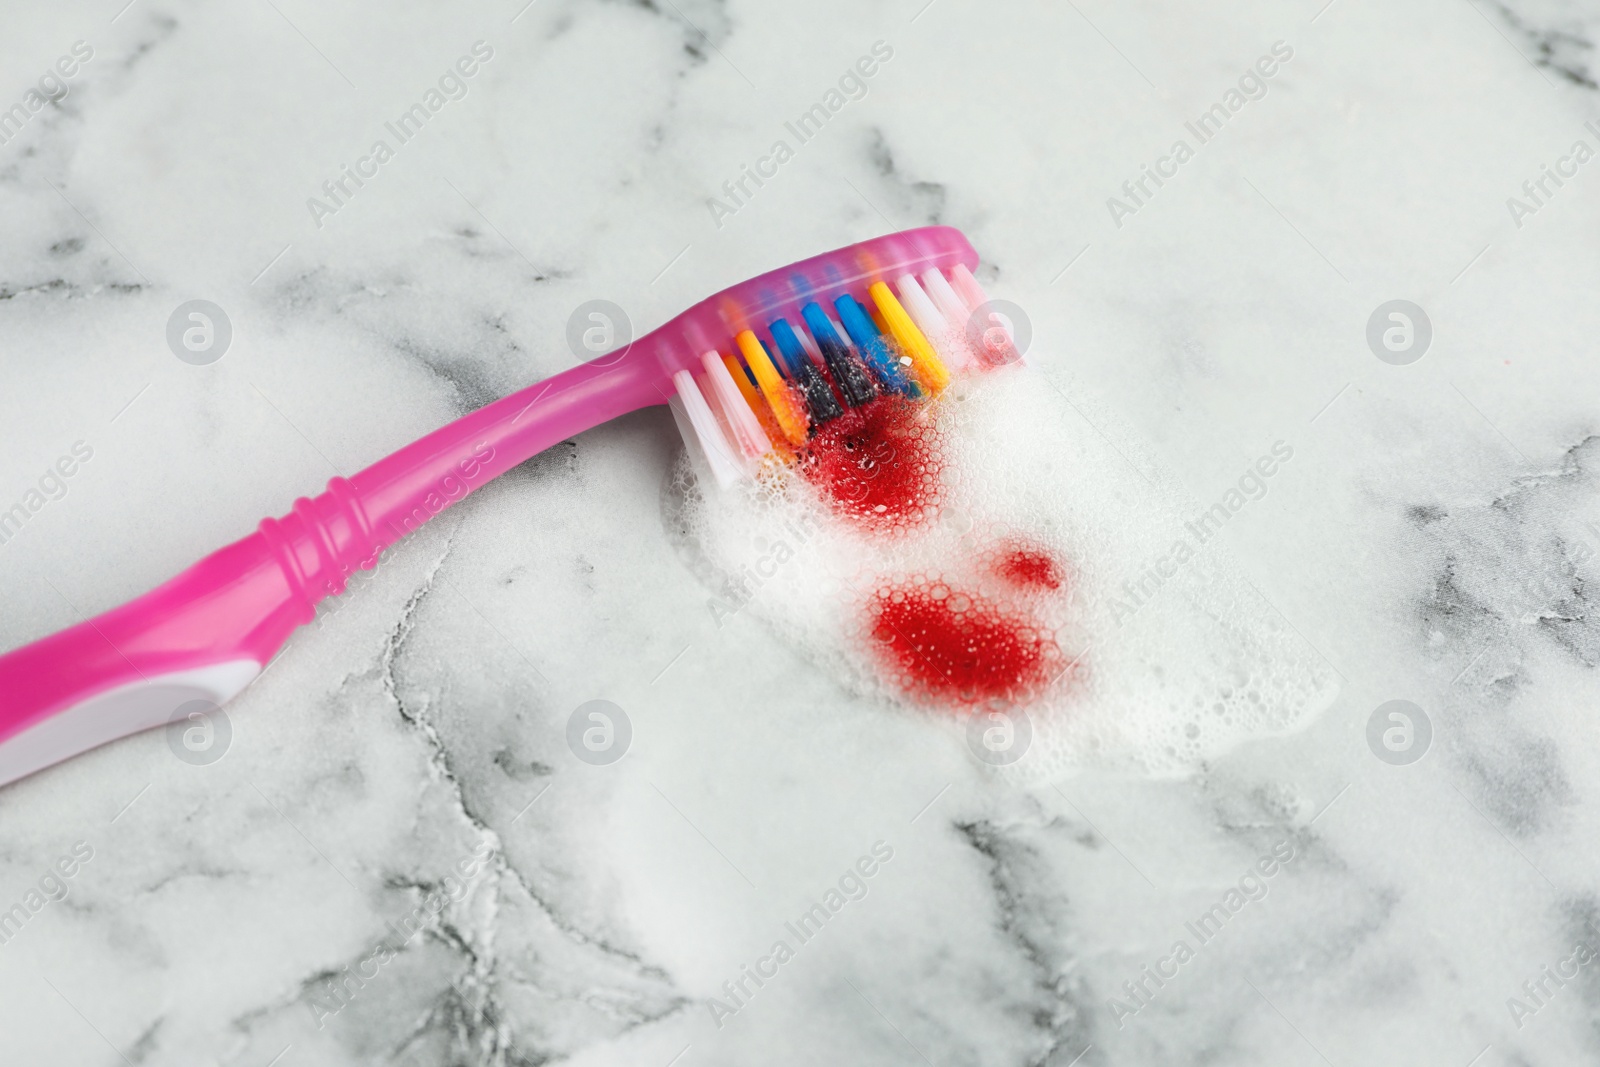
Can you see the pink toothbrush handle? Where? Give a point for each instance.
(207, 632)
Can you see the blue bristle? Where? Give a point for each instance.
(854, 382)
(873, 348)
(793, 354)
(819, 398)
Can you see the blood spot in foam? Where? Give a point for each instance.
(1029, 567)
(879, 463)
(944, 646)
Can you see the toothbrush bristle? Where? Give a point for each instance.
(967, 287)
(787, 405)
(849, 373)
(924, 362)
(811, 348)
(757, 406)
(943, 335)
(820, 401)
(874, 351)
(739, 420)
(764, 398)
(945, 299)
(702, 428)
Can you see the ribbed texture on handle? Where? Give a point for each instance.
(321, 542)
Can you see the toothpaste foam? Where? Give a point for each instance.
(975, 552)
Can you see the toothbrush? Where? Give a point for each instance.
(839, 337)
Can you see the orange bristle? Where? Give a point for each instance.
(769, 425)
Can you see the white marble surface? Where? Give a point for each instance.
(1431, 539)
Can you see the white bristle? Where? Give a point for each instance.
(742, 426)
(945, 299)
(916, 302)
(704, 385)
(691, 443)
(1000, 346)
(944, 337)
(967, 287)
(702, 430)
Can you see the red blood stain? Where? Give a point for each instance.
(946, 646)
(879, 463)
(1029, 567)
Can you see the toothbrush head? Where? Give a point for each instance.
(762, 367)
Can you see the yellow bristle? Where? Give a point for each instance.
(930, 371)
(877, 319)
(792, 417)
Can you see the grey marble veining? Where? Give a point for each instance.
(400, 860)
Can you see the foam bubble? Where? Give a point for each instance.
(1011, 577)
